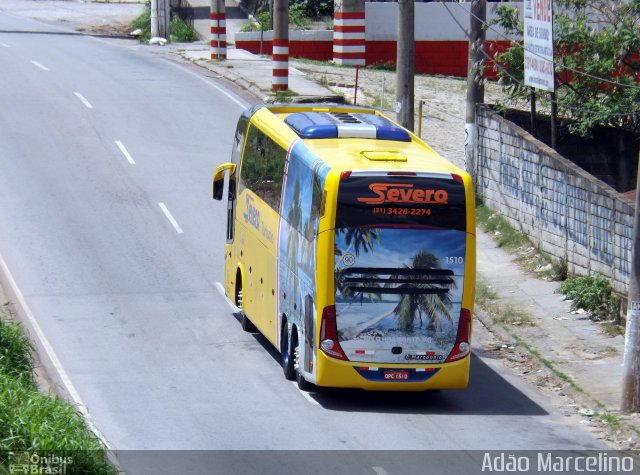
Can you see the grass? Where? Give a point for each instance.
(143, 23)
(528, 257)
(182, 31)
(504, 314)
(612, 420)
(37, 423)
(284, 96)
(497, 226)
(548, 364)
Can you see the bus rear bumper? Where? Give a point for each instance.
(392, 377)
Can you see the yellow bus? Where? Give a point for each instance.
(350, 247)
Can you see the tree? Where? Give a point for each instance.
(412, 306)
(597, 62)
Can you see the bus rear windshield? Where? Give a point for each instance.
(401, 201)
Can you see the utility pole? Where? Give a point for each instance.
(154, 19)
(280, 54)
(475, 81)
(160, 13)
(405, 67)
(631, 364)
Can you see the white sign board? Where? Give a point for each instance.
(538, 44)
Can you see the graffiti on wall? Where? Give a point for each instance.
(561, 207)
(572, 216)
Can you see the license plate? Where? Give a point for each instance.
(396, 375)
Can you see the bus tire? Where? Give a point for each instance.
(244, 320)
(287, 353)
(303, 384)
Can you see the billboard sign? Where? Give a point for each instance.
(538, 44)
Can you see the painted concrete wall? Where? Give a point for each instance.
(310, 44)
(433, 21)
(441, 44)
(565, 211)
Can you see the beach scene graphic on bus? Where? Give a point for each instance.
(297, 244)
(398, 288)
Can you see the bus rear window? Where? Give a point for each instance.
(401, 201)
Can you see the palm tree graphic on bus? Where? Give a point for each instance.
(397, 286)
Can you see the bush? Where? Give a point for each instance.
(143, 22)
(313, 8)
(182, 31)
(594, 294)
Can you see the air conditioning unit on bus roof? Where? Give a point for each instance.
(333, 125)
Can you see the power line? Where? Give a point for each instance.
(573, 108)
(520, 83)
(499, 33)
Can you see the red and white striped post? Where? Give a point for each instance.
(349, 33)
(280, 57)
(280, 54)
(218, 30)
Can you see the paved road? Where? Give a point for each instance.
(109, 231)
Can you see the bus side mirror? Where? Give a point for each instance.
(218, 179)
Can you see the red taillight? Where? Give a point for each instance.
(462, 346)
(329, 334)
(457, 178)
(345, 175)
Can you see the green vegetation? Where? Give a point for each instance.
(33, 422)
(143, 23)
(594, 294)
(297, 19)
(382, 66)
(315, 9)
(547, 363)
(504, 314)
(500, 229)
(596, 60)
(284, 96)
(611, 419)
(182, 31)
(508, 238)
(261, 23)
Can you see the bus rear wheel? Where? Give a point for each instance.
(287, 354)
(303, 384)
(244, 321)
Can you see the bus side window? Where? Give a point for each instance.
(236, 152)
(263, 167)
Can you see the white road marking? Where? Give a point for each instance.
(306, 395)
(84, 101)
(51, 354)
(5, 45)
(235, 309)
(40, 66)
(125, 152)
(171, 219)
(220, 288)
(242, 104)
(380, 471)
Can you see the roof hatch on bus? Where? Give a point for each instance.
(332, 125)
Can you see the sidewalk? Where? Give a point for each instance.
(573, 344)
